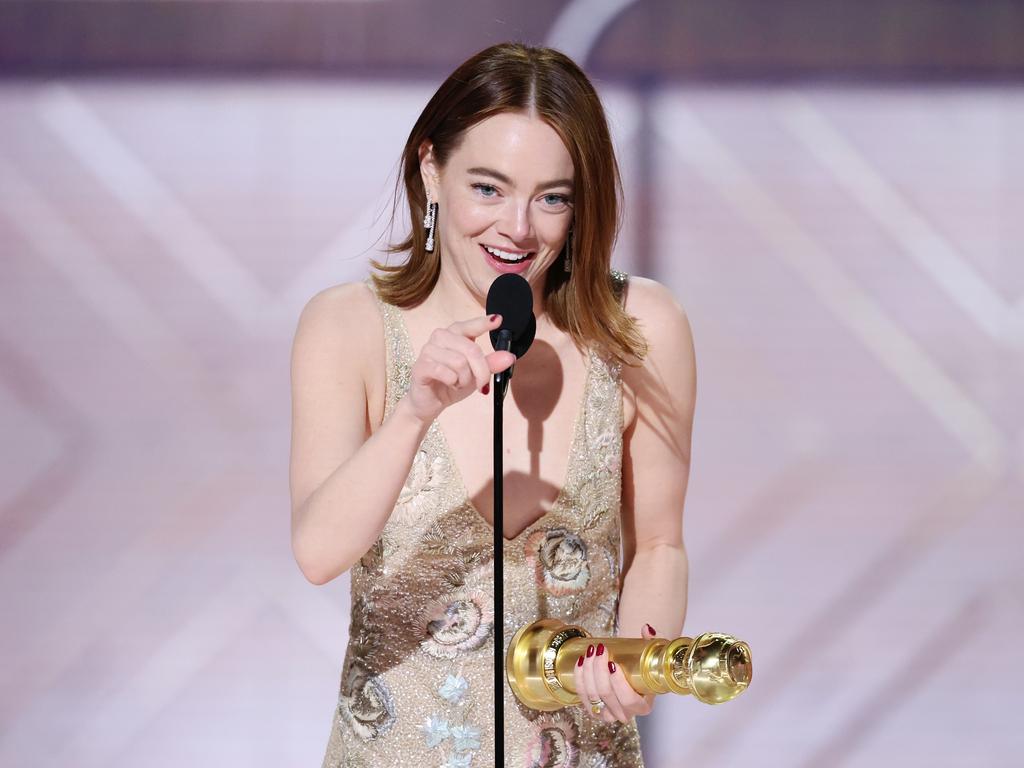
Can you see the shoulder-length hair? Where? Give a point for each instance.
(515, 77)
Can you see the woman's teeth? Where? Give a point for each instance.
(511, 258)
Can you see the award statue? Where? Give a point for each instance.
(541, 657)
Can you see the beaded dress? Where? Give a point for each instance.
(417, 680)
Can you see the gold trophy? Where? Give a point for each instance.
(541, 657)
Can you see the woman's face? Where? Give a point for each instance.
(505, 201)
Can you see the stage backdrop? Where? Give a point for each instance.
(848, 251)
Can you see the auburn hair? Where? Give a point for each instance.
(513, 77)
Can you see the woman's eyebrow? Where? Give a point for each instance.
(479, 171)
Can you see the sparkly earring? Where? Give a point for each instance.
(568, 252)
(429, 220)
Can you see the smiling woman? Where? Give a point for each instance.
(551, 201)
(555, 142)
(516, 222)
(510, 168)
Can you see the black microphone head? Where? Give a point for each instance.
(522, 342)
(511, 297)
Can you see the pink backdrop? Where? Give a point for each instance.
(850, 260)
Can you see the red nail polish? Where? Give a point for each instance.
(600, 649)
(611, 667)
(579, 662)
(651, 629)
(590, 651)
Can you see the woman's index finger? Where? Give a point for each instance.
(475, 326)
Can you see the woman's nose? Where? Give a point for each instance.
(515, 225)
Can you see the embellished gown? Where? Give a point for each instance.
(417, 680)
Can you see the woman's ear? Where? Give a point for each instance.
(429, 172)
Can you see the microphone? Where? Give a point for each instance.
(511, 297)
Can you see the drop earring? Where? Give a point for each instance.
(429, 222)
(568, 252)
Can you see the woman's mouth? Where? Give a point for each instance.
(507, 261)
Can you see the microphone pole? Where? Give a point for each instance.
(500, 385)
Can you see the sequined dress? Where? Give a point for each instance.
(417, 680)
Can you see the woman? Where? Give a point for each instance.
(510, 168)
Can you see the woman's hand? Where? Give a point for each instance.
(598, 678)
(451, 366)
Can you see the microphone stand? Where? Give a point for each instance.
(500, 386)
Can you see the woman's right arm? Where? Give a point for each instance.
(344, 482)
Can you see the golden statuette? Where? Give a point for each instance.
(541, 657)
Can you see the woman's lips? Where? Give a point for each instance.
(503, 266)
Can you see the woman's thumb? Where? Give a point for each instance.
(499, 361)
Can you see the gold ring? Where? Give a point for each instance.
(597, 706)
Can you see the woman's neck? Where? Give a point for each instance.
(452, 299)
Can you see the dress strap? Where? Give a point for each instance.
(620, 283)
(397, 352)
(613, 370)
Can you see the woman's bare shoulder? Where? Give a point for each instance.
(659, 395)
(344, 299)
(342, 311)
(342, 318)
(340, 341)
(661, 317)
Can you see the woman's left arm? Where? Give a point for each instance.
(655, 471)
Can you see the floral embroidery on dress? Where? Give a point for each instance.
(435, 730)
(554, 743)
(453, 689)
(458, 761)
(365, 702)
(460, 621)
(422, 486)
(560, 557)
(465, 738)
(606, 453)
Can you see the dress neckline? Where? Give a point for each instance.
(450, 457)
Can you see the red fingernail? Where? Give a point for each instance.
(485, 389)
(651, 629)
(611, 667)
(590, 651)
(600, 649)
(579, 662)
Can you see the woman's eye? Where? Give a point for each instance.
(487, 190)
(554, 199)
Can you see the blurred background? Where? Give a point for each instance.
(833, 190)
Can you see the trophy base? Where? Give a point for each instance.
(531, 664)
